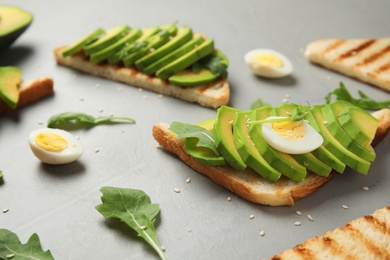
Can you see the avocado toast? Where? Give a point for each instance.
(166, 59)
(252, 173)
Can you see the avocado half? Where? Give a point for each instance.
(13, 22)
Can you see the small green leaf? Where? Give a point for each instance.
(364, 101)
(11, 247)
(214, 63)
(71, 120)
(259, 103)
(134, 208)
(205, 137)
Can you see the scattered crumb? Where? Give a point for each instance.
(262, 233)
(297, 223)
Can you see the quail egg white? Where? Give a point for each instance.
(268, 63)
(55, 146)
(292, 137)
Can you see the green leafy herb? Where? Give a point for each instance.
(1, 177)
(11, 247)
(71, 120)
(364, 101)
(214, 63)
(206, 138)
(259, 103)
(133, 207)
(297, 114)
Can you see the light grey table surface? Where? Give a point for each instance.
(58, 202)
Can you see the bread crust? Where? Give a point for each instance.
(250, 185)
(211, 95)
(364, 59)
(367, 237)
(31, 92)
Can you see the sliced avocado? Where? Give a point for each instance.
(186, 60)
(190, 78)
(129, 38)
(153, 43)
(202, 154)
(152, 68)
(139, 43)
(111, 36)
(184, 34)
(223, 137)
(248, 151)
(308, 160)
(282, 162)
(13, 22)
(10, 78)
(315, 116)
(79, 44)
(207, 124)
(359, 124)
(339, 133)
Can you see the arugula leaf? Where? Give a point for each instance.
(73, 120)
(214, 64)
(205, 137)
(11, 247)
(259, 103)
(364, 101)
(133, 207)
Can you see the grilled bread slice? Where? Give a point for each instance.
(213, 95)
(367, 60)
(367, 237)
(30, 92)
(249, 184)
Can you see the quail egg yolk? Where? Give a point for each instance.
(292, 130)
(51, 142)
(268, 59)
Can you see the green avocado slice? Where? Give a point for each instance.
(10, 78)
(130, 48)
(154, 67)
(366, 152)
(315, 116)
(202, 154)
(129, 38)
(184, 34)
(111, 36)
(13, 22)
(248, 151)
(282, 162)
(79, 44)
(186, 60)
(223, 136)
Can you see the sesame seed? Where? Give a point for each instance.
(162, 248)
(40, 123)
(119, 88)
(365, 188)
(101, 110)
(297, 223)
(160, 96)
(252, 216)
(9, 256)
(262, 233)
(145, 97)
(190, 229)
(328, 77)
(140, 90)
(188, 180)
(344, 206)
(176, 190)
(97, 85)
(81, 98)
(159, 146)
(143, 227)
(285, 100)
(97, 150)
(229, 198)
(230, 122)
(309, 217)
(5, 210)
(287, 95)
(298, 212)
(77, 137)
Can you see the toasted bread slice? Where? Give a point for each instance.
(249, 184)
(211, 95)
(367, 60)
(30, 92)
(367, 237)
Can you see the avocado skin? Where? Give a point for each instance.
(223, 137)
(10, 78)
(248, 151)
(10, 34)
(282, 162)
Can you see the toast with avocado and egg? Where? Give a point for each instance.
(366, 237)
(14, 94)
(367, 60)
(232, 149)
(168, 60)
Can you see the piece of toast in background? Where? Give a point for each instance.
(367, 60)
